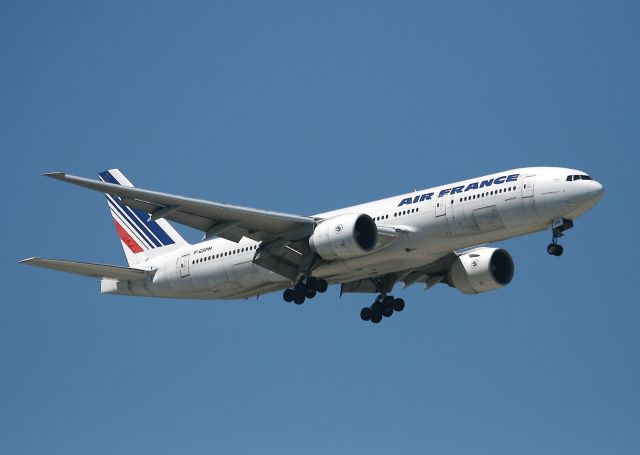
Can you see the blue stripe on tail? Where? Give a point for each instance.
(139, 218)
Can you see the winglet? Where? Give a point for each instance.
(55, 175)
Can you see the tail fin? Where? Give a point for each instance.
(142, 238)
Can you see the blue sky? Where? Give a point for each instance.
(304, 107)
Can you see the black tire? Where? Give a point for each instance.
(366, 314)
(377, 307)
(322, 286)
(552, 248)
(298, 299)
(300, 288)
(312, 283)
(398, 305)
(311, 293)
(387, 303)
(288, 295)
(559, 250)
(387, 312)
(376, 318)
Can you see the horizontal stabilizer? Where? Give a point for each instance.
(88, 269)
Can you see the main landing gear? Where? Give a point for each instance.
(557, 231)
(305, 289)
(384, 305)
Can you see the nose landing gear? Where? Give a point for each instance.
(383, 306)
(557, 230)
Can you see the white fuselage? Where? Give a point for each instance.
(428, 224)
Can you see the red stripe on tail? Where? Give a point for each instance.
(126, 238)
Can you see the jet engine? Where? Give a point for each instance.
(344, 236)
(481, 270)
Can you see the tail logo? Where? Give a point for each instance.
(134, 227)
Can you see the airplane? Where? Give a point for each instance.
(437, 235)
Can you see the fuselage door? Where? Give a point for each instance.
(527, 186)
(183, 265)
(441, 206)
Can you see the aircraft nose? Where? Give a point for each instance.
(596, 192)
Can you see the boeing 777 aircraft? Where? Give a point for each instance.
(429, 236)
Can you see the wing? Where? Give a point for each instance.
(430, 274)
(88, 269)
(231, 222)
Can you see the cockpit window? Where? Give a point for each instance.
(573, 178)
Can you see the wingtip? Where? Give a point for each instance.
(27, 260)
(54, 175)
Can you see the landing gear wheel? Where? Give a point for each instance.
(311, 283)
(300, 288)
(555, 250)
(387, 312)
(377, 307)
(298, 299)
(288, 295)
(366, 314)
(398, 305)
(387, 302)
(311, 293)
(321, 286)
(376, 318)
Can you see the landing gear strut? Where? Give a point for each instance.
(305, 289)
(383, 306)
(557, 230)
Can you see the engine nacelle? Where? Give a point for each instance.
(481, 270)
(344, 236)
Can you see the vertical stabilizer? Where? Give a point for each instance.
(142, 238)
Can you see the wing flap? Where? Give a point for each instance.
(89, 269)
